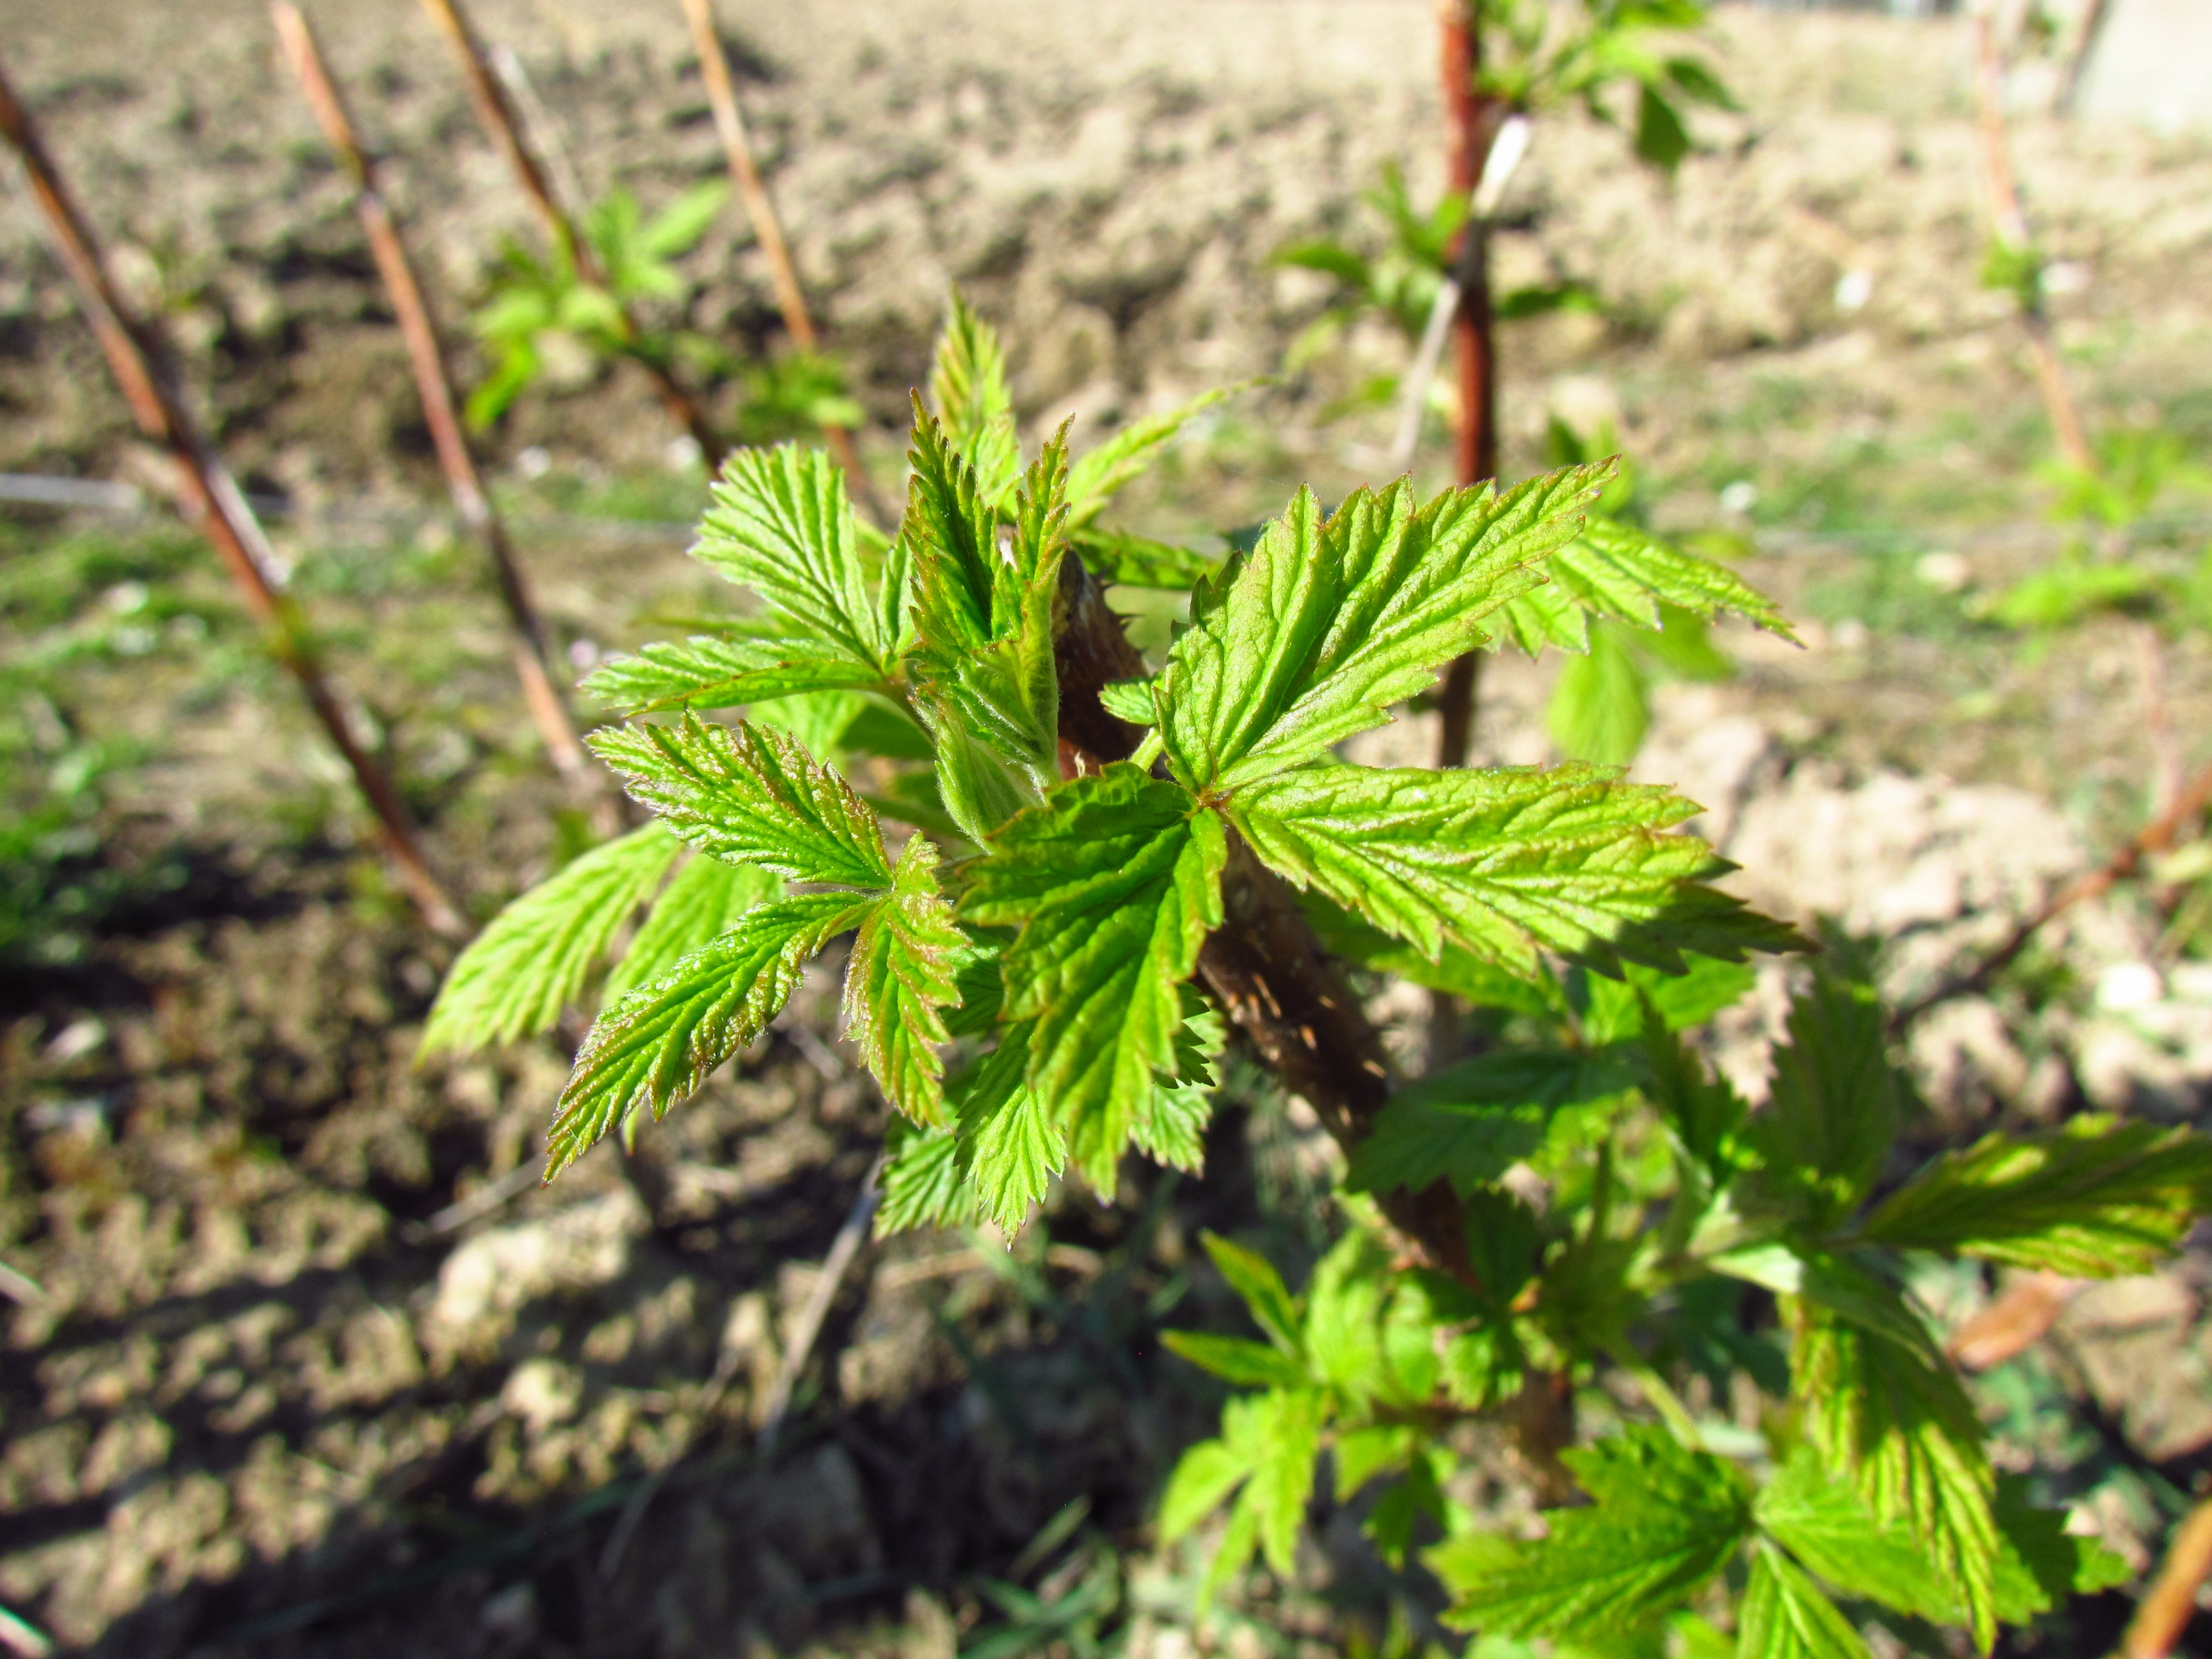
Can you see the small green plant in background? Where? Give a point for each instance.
(533, 299)
(1690, 1312)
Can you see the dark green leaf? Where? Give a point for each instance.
(1470, 1123)
(1825, 1524)
(1832, 1114)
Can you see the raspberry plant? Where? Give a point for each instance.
(1106, 870)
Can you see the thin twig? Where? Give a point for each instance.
(495, 112)
(19, 1286)
(542, 135)
(2171, 1601)
(2077, 59)
(139, 360)
(790, 298)
(2157, 836)
(533, 652)
(2167, 768)
(2009, 222)
(482, 1202)
(2020, 1317)
(20, 1635)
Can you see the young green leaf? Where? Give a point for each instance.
(1102, 473)
(2097, 1198)
(1614, 1009)
(1009, 1145)
(1827, 1525)
(1116, 557)
(1600, 704)
(707, 672)
(1702, 1114)
(1114, 883)
(1667, 1520)
(903, 971)
(520, 973)
(780, 525)
(1504, 862)
(1254, 1278)
(702, 901)
(750, 795)
(1470, 1123)
(1850, 1286)
(1908, 1435)
(1204, 1476)
(663, 1040)
(1832, 1115)
(1618, 571)
(1236, 1359)
(968, 388)
(923, 1183)
(2040, 1565)
(1783, 1615)
(1312, 636)
(1169, 1125)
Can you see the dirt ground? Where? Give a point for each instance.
(306, 1370)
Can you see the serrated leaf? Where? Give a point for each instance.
(1666, 1521)
(1600, 704)
(904, 967)
(1850, 1287)
(1470, 1123)
(1009, 1145)
(1360, 1455)
(702, 901)
(1204, 1477)
(1702, 1114)
(1254, 1278)
(1614, 1012)
(1783, 1615)
(2040, 1565)
(1827, 1526)
(1504, 862)
(1169, 1125)
(2096, 1199)
(1460, 972)
(1114, 882)
(1235, 1359)
(1119, 559)
(1832, 1115)
(1310, 637)
(750, 795)
(1619, 571)
(1100, 473)
(707, 672)
(923, 1183)
(662, 1041)
(1908, 1437)
(1343, 1330)
(967, 389)
(531, 962)
(1286, 1435)
(780, 524)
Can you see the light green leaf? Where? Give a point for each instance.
(1131, 701)
(1114, 883)
(1119, 559)
(1833, 1113)
(663, 1040)
(1344, 1341)
(780, 524)
(1100, 473)
(903, 971)
(968, 388)
(750, 795)
(703, 901)
(1619, 571)
(1169, 1125)
(1783, 1615)
(923, 1183)
(2097, 1198)
(720, 673)
(1204, 1476)
(1666, 1521)
(520, 973)
(1825, 1524)
(676, 228)
(1235, 1359)
(1908, 1437)
(1009, 1145)
(1284, 1439)
(1472, 1121)
(1504, 862)
(1615, 1010)
(1254, 1278)
(1600, 704)
(1461, 972)
(1311, 636)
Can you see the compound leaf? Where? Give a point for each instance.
(1906, 1431)
(904, 968)
(1783, 1615)
(1666, 1519)
(1009, 1145)
(780, 524)
(1616, 570)
(520, 973)
(1833, 1113)
(751, 795)
(662, 1041)
(1114, 882)
(707, 672)
(2095, 1200)
(1503, 862)
(702, 901)
(968, 388)
(1313, 635)
(1470, 1123)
